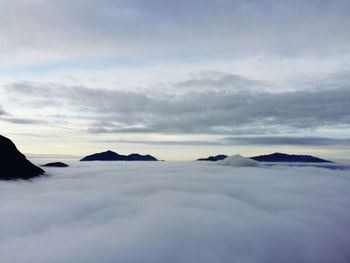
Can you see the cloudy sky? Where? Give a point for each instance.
(176, 79)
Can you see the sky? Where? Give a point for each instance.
(176, 79)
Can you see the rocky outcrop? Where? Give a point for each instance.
(13, 164)
(55, 164)
(113, 156)
(282, 157)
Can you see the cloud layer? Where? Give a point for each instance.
(248, 140)
(198, 107)
(50, 30)
(176, 212)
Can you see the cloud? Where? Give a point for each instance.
(283, 140)
(119, 67)
(164, 142)
(218, 81)
(23, 121)
(56, 31)
(6, 117)
(244, 140)
(2, 112)
(201, 111)
(176, 212)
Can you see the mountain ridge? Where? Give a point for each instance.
(113, 156)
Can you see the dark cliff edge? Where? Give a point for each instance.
(13, 164)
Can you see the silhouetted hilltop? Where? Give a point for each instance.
(113, 156)
(274, 157)
(139, 157)
(214, 158)
(282, 157)
(55, 164)
(13, 164)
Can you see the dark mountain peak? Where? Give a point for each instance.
(55, 164)
(109, 152)
(214, 158)
(134, 154)
(102, 156)
(283, 157)
(113, 156)
(139, 157)
(13, 164)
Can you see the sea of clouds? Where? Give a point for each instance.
(164, 212)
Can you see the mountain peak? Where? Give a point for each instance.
(13, 164)
(113, 156)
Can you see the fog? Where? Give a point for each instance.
(176, 212)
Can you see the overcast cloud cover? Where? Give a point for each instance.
(218, 111)
(176, 212)
(165, 71)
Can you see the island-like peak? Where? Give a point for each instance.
(113, 156)
(283, 157)
(55, 164)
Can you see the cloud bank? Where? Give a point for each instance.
(176, 212)
(203, 110)
(248, 140)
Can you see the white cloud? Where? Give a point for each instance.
(176, 212)
(44, 30)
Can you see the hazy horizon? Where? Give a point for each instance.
(178, 80)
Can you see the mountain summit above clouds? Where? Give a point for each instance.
(13, 164)
(113, 156)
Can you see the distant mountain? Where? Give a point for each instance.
(55, 164)
(113, 156)
(13, 164)
(139, 157)
(214, 158)
(282, 157)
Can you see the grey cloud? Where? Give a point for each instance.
(131, 27)
(218, 81)
(99, 100)
(6, 117)
(283, 140)
(164, 142)
(340, 79)
(206, 111)
(2, 112)
(23, 120)
(109, 128)
(240, 140)
(223, 113)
